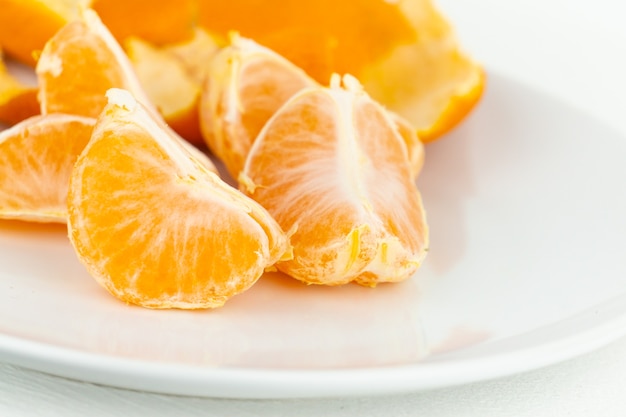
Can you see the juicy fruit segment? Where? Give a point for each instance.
(414, 146)
(246, 84)
(404, 52)
(17, 100)
(156, 228)
(168, 85)
(79, 64)
(158, 23)
(36, 159)
(343, 187)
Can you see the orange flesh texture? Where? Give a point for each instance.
(26, 25)
(80, 89)
(80, 63)
(36, 160)
(339, 169)
(247, 86)
(188, 239)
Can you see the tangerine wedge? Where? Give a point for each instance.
(36, 159)
(342, 187)
(80, 63)
(195, 53)
(246, 84)
(159, 23)
(156, 228)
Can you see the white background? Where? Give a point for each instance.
(575, 50)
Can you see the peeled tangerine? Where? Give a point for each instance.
(343, 188)
(36, 159)
(154, 226)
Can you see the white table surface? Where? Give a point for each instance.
(573, 49)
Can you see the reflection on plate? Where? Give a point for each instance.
(525, 203)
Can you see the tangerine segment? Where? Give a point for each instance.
(36, 159)
(80, 63)
(331, 166)
(246, 84)
(156, 228)
(17, 101)
(348, 34)
(414, 146)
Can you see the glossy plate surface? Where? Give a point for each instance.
(526, 206)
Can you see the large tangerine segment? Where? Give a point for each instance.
(80, 63)
(156, 228)
(36, 160)
(343, 186)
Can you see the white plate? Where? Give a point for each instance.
(526, 205)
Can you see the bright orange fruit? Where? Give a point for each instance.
(36, 159)
(246, 83)
(17, 100)
(332, 169)
(80, 63)
(154, 226)
(404, 52)
(169, 86)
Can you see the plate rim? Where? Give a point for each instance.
(260, 383)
